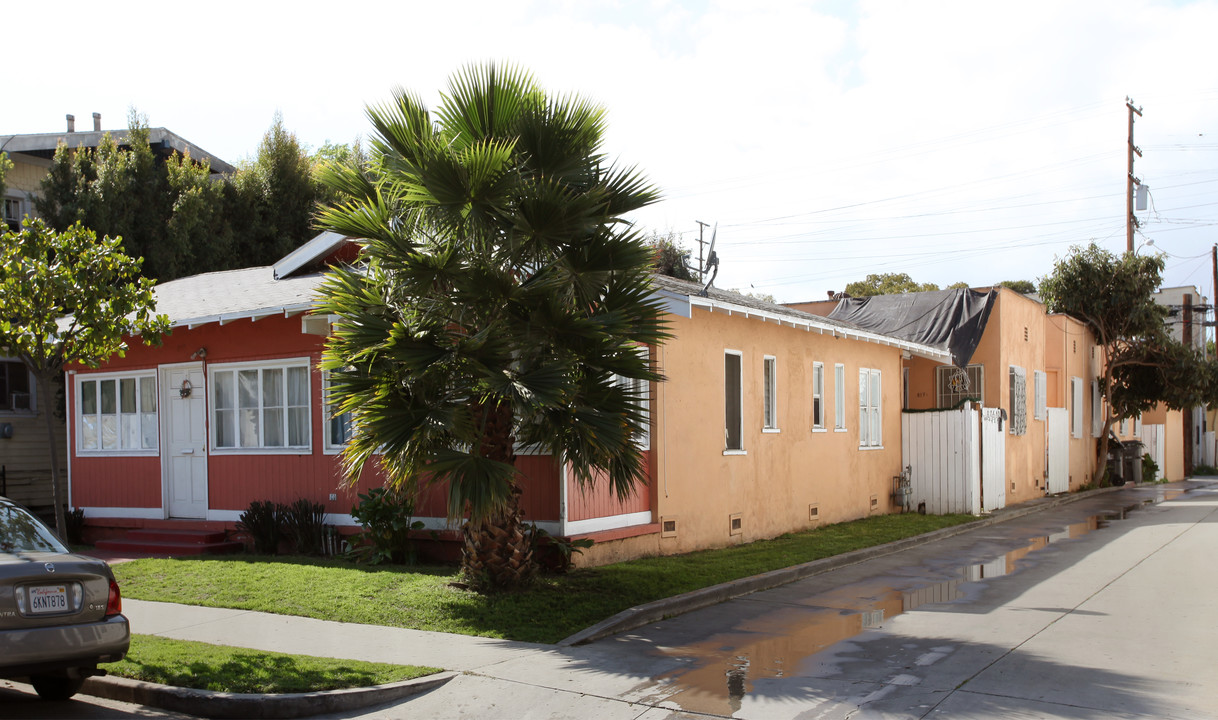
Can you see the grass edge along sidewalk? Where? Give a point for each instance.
(557, 607)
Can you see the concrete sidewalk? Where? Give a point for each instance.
(479, 660)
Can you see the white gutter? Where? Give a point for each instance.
(810, 325)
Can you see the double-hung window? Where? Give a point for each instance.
(733, 400)
(870, 430)
(818, 396)
(116, 413)
(1040, 387)
(16, 387)
(1076, 407)
(639, 392)
(261, 406)
(769, 410)
(338, 425)
(839, 397)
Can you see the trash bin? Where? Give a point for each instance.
(1131, 452)
(1116, 468)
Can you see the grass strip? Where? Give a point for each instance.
(423, 598)
(221, 668)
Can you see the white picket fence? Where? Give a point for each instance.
(942, 450)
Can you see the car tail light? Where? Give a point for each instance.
(114, 603)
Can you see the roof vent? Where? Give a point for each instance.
(71, 123)
(96, 122)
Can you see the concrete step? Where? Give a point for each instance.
(171, 542)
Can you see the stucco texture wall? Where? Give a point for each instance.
(783, 475)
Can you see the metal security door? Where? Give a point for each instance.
(1057, 442)
(184, 440)
(993, 460)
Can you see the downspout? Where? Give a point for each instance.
(563, 510)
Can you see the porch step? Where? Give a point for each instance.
(172, 542)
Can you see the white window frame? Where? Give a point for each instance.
(1040, 382)
(839, 397)
(1123, 428)
(283, 364)
(871, 417)
(12, 221)
(641, 390)
(769, 394)
(7, 405)
(1076, 407)
(140, 418)
(818, 397)
(727, 407)
(976, 390)
(328, 446)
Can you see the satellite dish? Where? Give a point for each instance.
(712, 262)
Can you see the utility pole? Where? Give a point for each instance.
(1131, 221)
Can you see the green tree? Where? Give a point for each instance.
(958, 286)
(887, 284)
(5, 166)
(1143, 365)
(69, 297)
(503, 301)
(278, 195)
(669, 256)
(1023, 287)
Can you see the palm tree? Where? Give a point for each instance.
(501, 300)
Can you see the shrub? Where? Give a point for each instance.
(304, 523)
(1150, 469)
(385, 516)
(562, 551)
(263, 522)
(1204, 470)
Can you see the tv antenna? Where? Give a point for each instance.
(709, 264)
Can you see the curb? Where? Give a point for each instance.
(640, 615)
(210, 704)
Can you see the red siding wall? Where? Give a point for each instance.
(599, 500)
(236, 480)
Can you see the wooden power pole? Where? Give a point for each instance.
(1132, 182)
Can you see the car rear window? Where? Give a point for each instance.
(22, 532)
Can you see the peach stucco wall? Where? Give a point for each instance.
(781, 475)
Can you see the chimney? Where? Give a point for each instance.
(831, 294)
(71, 123)
(96, 122)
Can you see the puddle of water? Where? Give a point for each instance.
(721, 671)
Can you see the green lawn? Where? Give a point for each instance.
(229, 669)
(423, 598)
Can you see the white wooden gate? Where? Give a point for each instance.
(942, 450)
(1057, 447)
(993, 460)
(1152, 437)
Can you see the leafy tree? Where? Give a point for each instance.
(69, 297)
(887, 284)
(279, 196)
(1143, 365)
(173, 213)
(503, 301)
(958, 286)
(669, 256)
(1023, 287)
(5, 166)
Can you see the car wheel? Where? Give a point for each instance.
(56, 687)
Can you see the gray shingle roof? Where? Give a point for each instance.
(234, 294)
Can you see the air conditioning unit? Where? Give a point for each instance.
(20, 401)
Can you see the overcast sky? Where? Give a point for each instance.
(956, 141)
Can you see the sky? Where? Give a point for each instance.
(950, 140)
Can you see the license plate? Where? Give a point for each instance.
(49, 599)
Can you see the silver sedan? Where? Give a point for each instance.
(60, 613)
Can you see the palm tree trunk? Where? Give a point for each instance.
(498, 550)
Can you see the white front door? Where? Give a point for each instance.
(1057, 445)
(184, 436)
